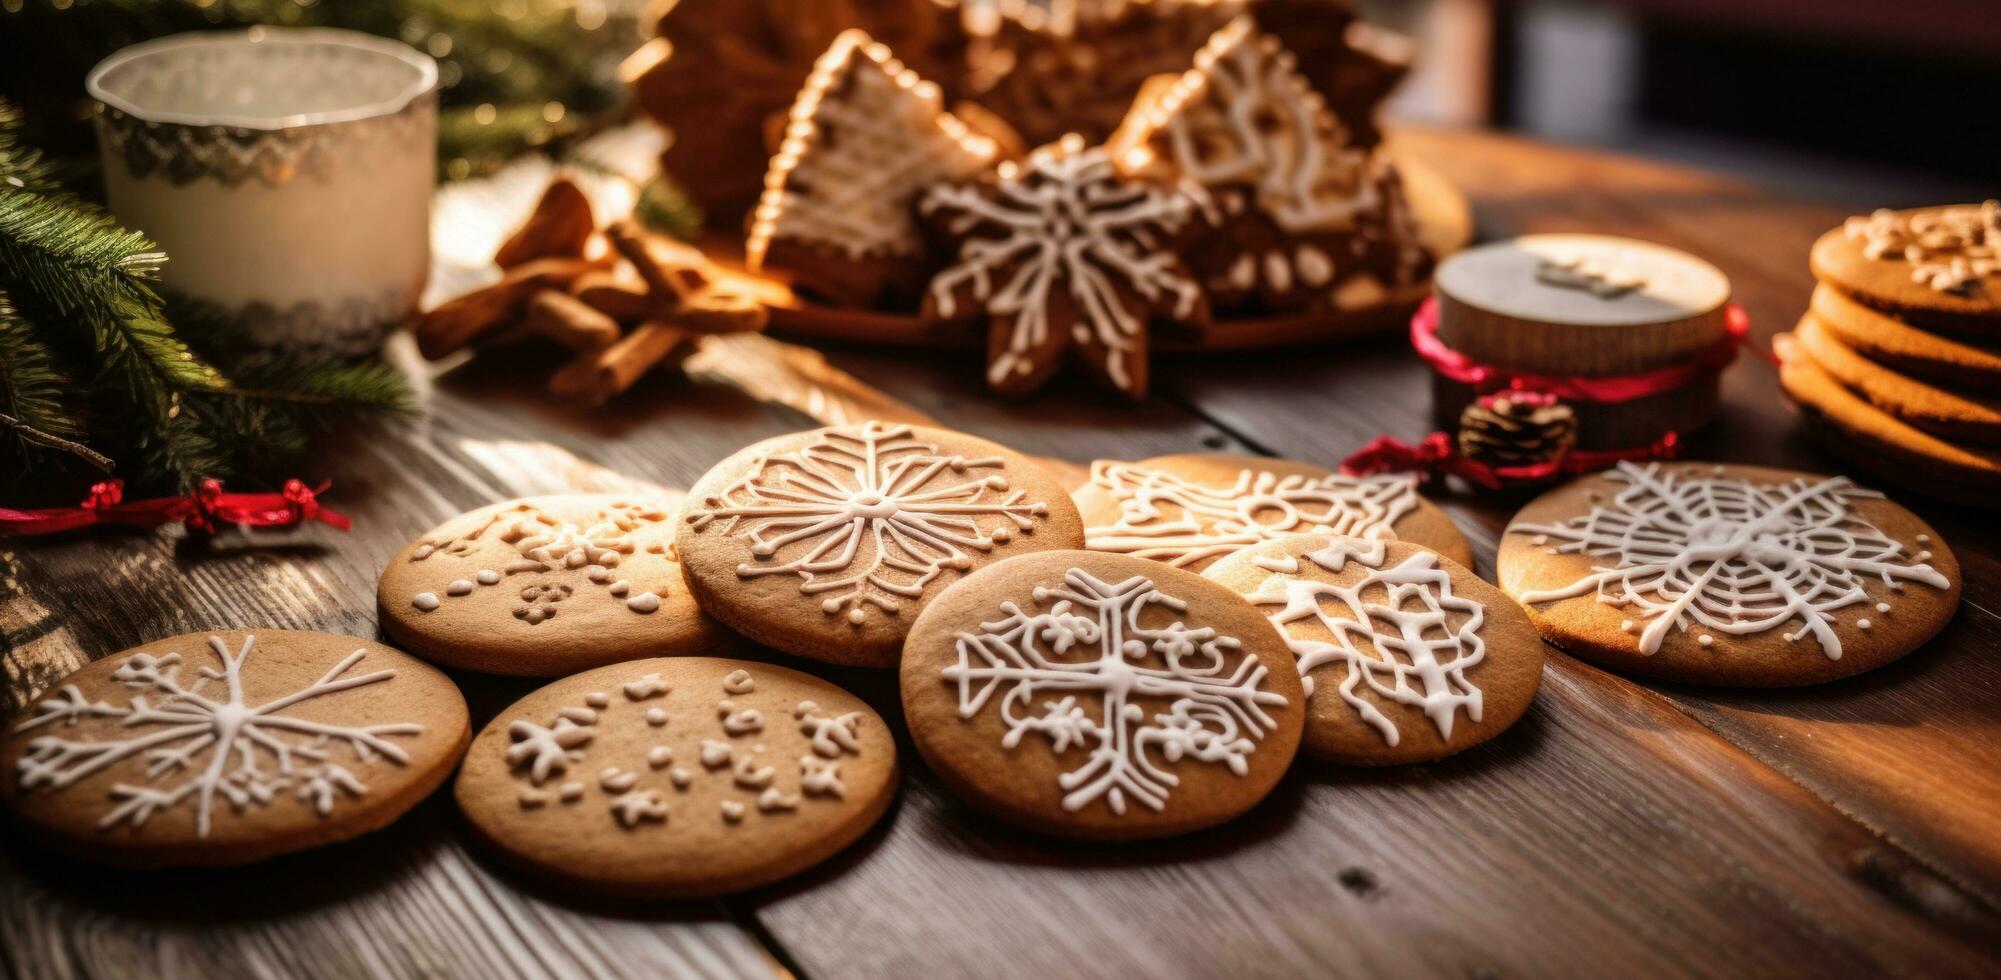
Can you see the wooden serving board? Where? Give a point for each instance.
(1622, 828)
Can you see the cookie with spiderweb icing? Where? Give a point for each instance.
(1728, 575)
(1406, 656)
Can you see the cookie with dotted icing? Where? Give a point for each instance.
(1728, 575)
(1406, 656)
(1101, 696)
(228, 747)
(1192, 510)
(827, 543)
(544, 586)
(678, 778)
(1938, 267)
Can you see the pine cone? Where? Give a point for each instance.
(1516, 428)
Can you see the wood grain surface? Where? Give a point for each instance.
(1621, 828)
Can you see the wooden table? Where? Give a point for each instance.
(1621, 827)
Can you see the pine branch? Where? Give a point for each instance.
(72, 256)
(31, 387)
(21, 167)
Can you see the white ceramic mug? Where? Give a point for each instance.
(287, 174)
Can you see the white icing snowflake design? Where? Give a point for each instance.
(868, 516)
(545, 546)
(1209, 522)
(1065, 220)
(1730, 555)
(1403, 645)
(1169, 691)
(249, 755)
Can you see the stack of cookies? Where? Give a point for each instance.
(1897, 359)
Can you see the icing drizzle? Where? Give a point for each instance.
(867, 517)
(248, 755)
(1731, 556)
(1089, 646)
(1392, 631)
(1182, 523)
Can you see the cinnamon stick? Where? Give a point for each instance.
(568, 321)
(560, 226)
(596, 377)
(461, 320)
(618, 296)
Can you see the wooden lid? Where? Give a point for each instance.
(1580, 304)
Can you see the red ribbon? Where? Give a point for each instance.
(1436, 456)
(202, 511)
(1598, 389)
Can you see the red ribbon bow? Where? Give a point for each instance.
(203, 511)
(1599, 389)
(1436, 456)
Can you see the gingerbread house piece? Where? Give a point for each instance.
(865, 137)
(1302, 216)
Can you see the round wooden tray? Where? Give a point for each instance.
(1444, 219)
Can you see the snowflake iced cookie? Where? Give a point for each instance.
(229, 747)
(1059, 255)
(544, 586)
(1734, 575)
(1406, 656)
(827, 543)
(1101, 696)
(864, 138)
(679, 777)
(1191, 510)
(1302, 213)
(1938, 267)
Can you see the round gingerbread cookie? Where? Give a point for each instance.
(1729, 575)
(1894, 343)
(224, 748)
(827, 543)
(1191, 510)
(545, 586)
(1962, 416)
(1101, 696)
(1939, 267)
(678, 778)
(1406, 656)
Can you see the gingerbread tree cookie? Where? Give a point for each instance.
(1062, 253)
(1305, 216)
(720, 69)
(866, 136)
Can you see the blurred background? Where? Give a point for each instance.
(1857, 102)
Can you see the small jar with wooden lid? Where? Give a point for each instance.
(1592, 313)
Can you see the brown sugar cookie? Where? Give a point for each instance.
(1191, 510)
(827, 543)
(1101, 696)
(1951, 415)
(1729, 575)
(1882, 445)
(1406, 656)
(544, 586)
(1938, 267)
(678, 778)
(1891, 342)
(865, 137)
(228, 747)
